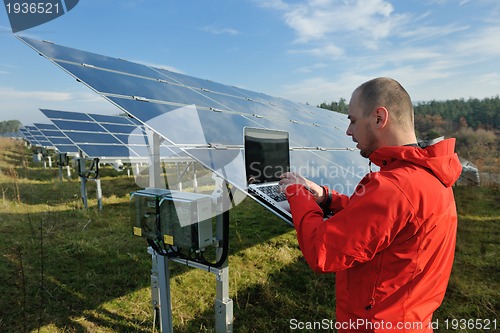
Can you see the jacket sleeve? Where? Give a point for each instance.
(367, 224)
(338, 202)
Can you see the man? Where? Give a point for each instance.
(392, 242)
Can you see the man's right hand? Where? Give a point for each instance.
(290, 178)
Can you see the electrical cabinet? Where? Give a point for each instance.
(180, 219)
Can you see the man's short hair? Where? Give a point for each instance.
(390, 94)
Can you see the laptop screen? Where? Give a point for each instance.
(266, 154)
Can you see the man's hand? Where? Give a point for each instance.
(290, 178)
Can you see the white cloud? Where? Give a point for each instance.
(42, 96)
(220, 31)
(436, 2)
(274, 4)
(308, 69)
(328, 51)
(485, 42)
(318, 89)
(319, 19)
(422, 32)
(24, 105)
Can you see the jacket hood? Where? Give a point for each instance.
(439, 158)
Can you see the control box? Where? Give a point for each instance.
(62, 159)
(181, 219)
(87, 167)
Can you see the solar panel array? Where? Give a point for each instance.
(12, 135)
(57, 138)
(26, 135)
(105, 137)
(36, 137)
(206, 119)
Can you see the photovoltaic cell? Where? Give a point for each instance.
(104, 119)
(87, 58)
(48, 127)
(206, 119)
(68, 126)
(104, 151)
(66, 115)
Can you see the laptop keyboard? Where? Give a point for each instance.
(273, 191)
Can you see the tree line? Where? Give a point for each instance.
(10, 126)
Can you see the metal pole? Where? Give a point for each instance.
(165, 296)
(195, 178)
(156, 181)
(223, 304)
(179, 176)
(60, 173)
(99, 193)
(83, 190)
(155, 287)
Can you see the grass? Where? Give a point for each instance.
(68, 269)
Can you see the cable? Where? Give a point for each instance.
(225, 233)
(160, 247)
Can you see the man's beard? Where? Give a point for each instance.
(372, 142)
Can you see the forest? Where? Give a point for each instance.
(473, 122)
(10, 126)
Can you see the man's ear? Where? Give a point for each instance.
(381, 116)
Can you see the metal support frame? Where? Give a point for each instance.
(63, 161)
(160, 284)
(84, 175)
(47, 160)
(160, 275)
(182, 173)
(179, 182)
(223, 304)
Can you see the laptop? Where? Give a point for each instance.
(267, 156)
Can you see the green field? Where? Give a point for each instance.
(68, 269)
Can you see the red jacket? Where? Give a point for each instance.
(391, 243)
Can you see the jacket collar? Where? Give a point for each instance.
(439, 158)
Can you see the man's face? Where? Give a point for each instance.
(361, 128)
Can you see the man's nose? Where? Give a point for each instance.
(348, 131)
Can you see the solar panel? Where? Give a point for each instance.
(25, 134)
(105, 137)
(57, 138)
(12, 135)
(206, 119)
(34, 136)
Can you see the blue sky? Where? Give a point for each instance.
(305, 50)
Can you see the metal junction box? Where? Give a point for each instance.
(181, 219)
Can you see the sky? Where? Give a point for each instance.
(310, 51)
